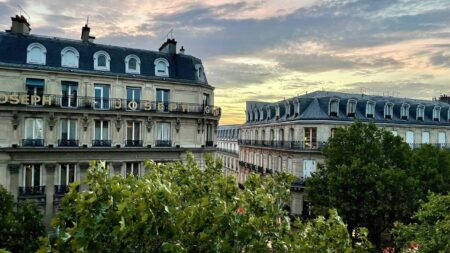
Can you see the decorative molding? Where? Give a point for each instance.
(51, 121)
(177, 125)
(149, 124)
(15, 121)
(118, 123)
(199, 125)
(85, 122)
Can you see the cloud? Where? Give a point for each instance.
(441, 59)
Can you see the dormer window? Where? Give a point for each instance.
(297, 109)
(388, 110)
(370, 109)
(199, 72)
(102, 61)
(437, 113)
(132, 64)
(161, 67)
(334, 107)
(70, 57)
(351, 108)
(420, 112)
(404, 112)
(36, 54)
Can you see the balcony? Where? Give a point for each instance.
(163, 143)
(101, 143)
(289, 145)
(31, 190)
(134, 143)
(111, 104)
(209, 143)
(67, 143)
(33, 142)
(62, 189)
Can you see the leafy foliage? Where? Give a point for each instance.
(366, 178)
(432, 231)
(20, 226)
(183, 208)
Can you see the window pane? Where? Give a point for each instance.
(63, 179)
(72, 129)
(37, 175)
(137, 130)
(101, 61)
(28, 175)
(130, 130)
(132, 64)
(29, 125)
(71, 173)
(105, 130)
(64, 128)
(39, 129)
(97, 132)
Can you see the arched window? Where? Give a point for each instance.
(388, 110)
(132, 64)
(70, 57)
(437, 113)
(351, 108)
(102, 61)
(404, 111)
(36, 54)
(420, 112)
(370, 109)
(200, 72)
(334, 107)
(161, 67)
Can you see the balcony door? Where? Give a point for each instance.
(309, 166)
(67, 173)
(69, 92)
(133, 134)
(68, 132)
(34, 132)
(32, 176)
(101, 92)
(133, 98)
(162, 99)
(163, 134)
(101, 133)
(310, 137)
(410, 138)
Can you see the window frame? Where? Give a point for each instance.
(437, 112)
(333, 101)
(108, 60)
(33, 171)
(421, 109)
(101, 130)
(69, 120)
(351, 113)
(138, 64)
(370, 110)
(388, 110)
(166, 72)
(67, 173)
(404, 111)
(43, 60)
(64, 53)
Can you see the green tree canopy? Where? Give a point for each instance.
(183, 208)
(20, 224)
(431, 233)
(366, 179)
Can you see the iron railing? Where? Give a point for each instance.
(33, 142)
(31, 190)
(67, 143)
(101, 143)
(209, 143)
(62, 189)
(227, 150)
(163, 143)
(133, 143)
(292, 145)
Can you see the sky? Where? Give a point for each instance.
(269, 50)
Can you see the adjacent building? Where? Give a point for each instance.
(228, 150)
(65, 102)
(288, 135)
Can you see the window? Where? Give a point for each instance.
(32, 176)
(34, 132)
(36, 54)
(161, 67)
(199, 72)
(132, 168)
(69, 57)
(162, 100)
(410, 138)
(310, 137)
(351, 108)
(281, 137)
(133, 134)
(425, 137)
(420, 112)
(35, 87)
(68, 133)
(334, 107)
(309, 166)
(388, 110)
(272, 137)
(442, 139)
(69, 92)
(437, 113)
(66, 173)
(102, 61)
(133, 98)
(289, 166)
(370, 109)
(101, 133)
(209, 138)
(101, 92)
(163, 134)
(404, 112)
(206, 100)
(132, 64)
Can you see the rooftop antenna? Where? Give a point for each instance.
(87, 20)
(21, 10)
(169, 35)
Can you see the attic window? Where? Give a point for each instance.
(132, 64)
(102, 61)
(351, 108)
(70, 57)
(334, 107)
(388, 110)
(404, 112)
(437, 113)
(370, 109)
(420, 112)
(161, 67)
(36, 54)
(200, 73)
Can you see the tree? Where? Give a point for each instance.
(431, 233)
(183, 208)
(20, 225)
(366, 178)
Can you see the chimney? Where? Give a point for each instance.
(170, 47)
(182, 50)
(85, 37)
(20, 25)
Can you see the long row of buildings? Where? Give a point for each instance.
(65, 102)
(288, 135)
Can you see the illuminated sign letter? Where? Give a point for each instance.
(3, 98)
(147, 106)
(14, 99)
(132, 105)
(46, 100)
(25, 100)
(35, 99)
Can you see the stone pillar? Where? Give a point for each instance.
(49, 192)
(14, 179)
(83, 170)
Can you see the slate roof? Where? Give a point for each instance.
(315, 106)
(13, 53)
(228, 131)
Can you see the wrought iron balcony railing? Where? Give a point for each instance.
(62, 189)
(133, 143)
(101, 143)
(209, 143)
(292, 145)
(101, 103)
(33, 142)
(163, 143)
(67, 143)
(31, 190)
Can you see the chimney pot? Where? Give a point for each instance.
(20, 25)
(182, 50)
(170, 47)
(85, 37)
